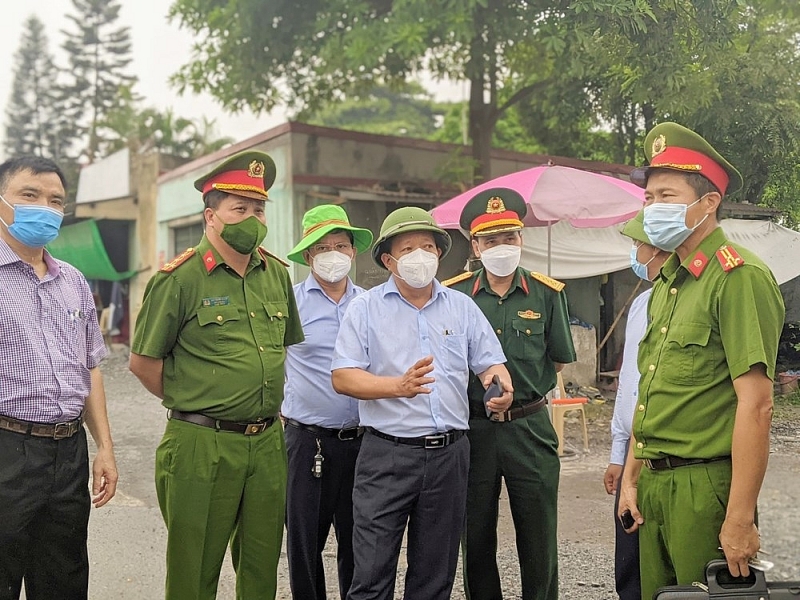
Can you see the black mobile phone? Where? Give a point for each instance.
(495, 390)
(626, 519)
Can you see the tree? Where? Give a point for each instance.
(259, 55)
(98, 54)
(32, 104)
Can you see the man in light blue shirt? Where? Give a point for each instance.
(646, 260)
(322, 433)
(405, 349)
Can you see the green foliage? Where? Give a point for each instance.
(98, 54)
(33, 103)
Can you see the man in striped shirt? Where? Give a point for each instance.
(50, 384)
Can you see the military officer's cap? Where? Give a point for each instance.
(491, 211)
(672, 146)
(249, 174)
(405, 220)
(322, 220)
(634, 229)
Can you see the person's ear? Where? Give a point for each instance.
(475, 251)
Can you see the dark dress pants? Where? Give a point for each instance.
(44, 515)
(425, 488)
(626, 557)
(313, 505)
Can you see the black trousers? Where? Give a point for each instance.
(313, 505)
(626, 558)
(44, 515)
(397, 485)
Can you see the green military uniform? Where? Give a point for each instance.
(532, 324)
(222, 338)
(712, 317)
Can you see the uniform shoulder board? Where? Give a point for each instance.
(264, 254)
(457, 279)
(178, 261)
(553, 284)
(729, 258)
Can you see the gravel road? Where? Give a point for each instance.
(127, 537)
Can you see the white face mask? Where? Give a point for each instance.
(331, 266)
(501, 260)
(417, 268)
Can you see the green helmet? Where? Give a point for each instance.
(404, 220)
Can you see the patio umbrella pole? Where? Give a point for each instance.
(549, 226)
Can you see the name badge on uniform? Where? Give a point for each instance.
(529, 314)
(218, 301)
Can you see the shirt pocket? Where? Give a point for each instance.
(277, 314)
(454, 352)
(220, 322)
(526, 340)
(688, 359)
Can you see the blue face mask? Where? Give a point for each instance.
(34, 225)
(640, 269)
(665, 224)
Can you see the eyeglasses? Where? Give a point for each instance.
(321, 248)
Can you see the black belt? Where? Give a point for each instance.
(517, 413)
(436, 440)
(254, 428)
(57, 431)
(673, 462)
(350, 433)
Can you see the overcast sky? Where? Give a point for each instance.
(159, 49)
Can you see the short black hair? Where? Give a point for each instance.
(213, 198)
(29, 162)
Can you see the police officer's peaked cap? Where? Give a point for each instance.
(249, 174)
(491, 211)
(405, 220)
(634, 229)
(673, 146)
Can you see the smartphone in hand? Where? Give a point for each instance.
(627, 520)
(495, 390)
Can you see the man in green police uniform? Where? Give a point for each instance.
(210, 341)
(528, 311)
(701, 428)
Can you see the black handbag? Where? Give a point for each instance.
(720, 585)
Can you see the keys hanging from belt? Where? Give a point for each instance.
(316, 470)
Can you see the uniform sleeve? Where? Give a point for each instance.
(160, 318)
(351, 350)
(560, 348)
(294, 329)
(628, 390)
(484, 349)
(751, 315)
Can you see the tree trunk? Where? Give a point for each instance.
(481, 129)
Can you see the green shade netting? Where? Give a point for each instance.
(81, 246)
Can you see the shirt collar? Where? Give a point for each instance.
(482, 283)
(8, 257)
(311, 283)
(390, 287)
(697, 260)
(213, 259)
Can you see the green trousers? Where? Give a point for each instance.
(683, 511)
(524, 453)
(215, 488)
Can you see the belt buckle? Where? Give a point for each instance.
(436, 441)
(501, 417)
(255, 428)
(62, 431)
(349, 434)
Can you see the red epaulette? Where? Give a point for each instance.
(729, 258)
(178, 261)
(265, 253)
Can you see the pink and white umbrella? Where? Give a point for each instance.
(555, 193)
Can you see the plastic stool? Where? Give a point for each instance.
(559, 408)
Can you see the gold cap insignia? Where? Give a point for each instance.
(256, 169)
(495, 205)
(659, 145)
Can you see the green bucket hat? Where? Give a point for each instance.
(634, 229)
(404, 220)
(319, 222)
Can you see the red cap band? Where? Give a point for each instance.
(487, 220)
(692, 161)
(231, 181)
